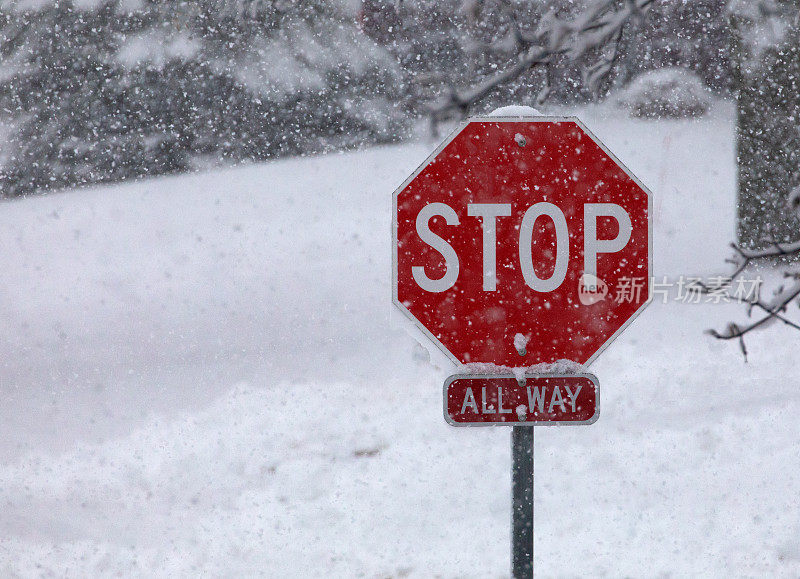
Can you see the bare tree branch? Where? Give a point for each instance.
(594, 75)
(774, 308)
(596, 27)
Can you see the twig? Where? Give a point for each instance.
(774, 308)
(594, 28)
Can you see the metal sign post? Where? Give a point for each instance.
(521, 402)
(522, 502)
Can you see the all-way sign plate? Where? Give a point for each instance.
(505, 400)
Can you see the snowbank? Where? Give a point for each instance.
(200, 376)
(665, 93)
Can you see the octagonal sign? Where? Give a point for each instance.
(521, 241)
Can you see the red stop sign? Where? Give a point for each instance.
(521, 241)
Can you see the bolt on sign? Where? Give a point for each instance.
(521, 226)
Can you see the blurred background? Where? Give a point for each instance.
(109, 90)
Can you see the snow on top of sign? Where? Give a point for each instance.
(557, 367)
(515, 111)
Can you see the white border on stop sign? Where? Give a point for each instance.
(591, 377)
(525, 119)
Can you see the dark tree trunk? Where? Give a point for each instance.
(768, 140)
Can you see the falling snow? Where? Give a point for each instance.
(202, 372)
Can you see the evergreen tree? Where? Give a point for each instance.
(108, 90)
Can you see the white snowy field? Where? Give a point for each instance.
(204, 375)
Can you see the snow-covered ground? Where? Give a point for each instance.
(204, 374)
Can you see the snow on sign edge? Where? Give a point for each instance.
(532, 118)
